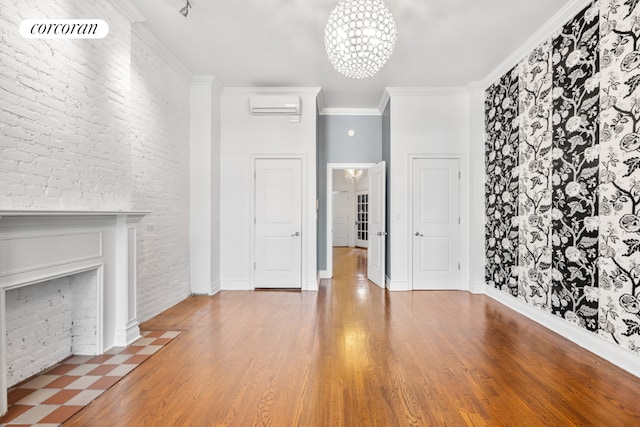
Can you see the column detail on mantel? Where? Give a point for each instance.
(38, 246)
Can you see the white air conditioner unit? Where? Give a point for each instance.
(274, 105)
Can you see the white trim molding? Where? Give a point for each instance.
(596, 344)
(126, 8)
(425, 91)
(243, 91)
(545, 32)
(350, 112)
(141, 31)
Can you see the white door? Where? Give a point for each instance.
(278, 223)
(377, 231)
(341, 220)
(436, 224)
(362, 219)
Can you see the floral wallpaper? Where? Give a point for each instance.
(501, 109)
(619, 280)
(534, 201)
(576, 206)
(575, 170)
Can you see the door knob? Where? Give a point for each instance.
(419, 234)
(296, 234)
(382, 233)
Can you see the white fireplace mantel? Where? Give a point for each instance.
(36, 246)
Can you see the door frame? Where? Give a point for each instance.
(304, 227)
(463, 247)
(329, 213)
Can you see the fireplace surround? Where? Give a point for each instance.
(38, 246)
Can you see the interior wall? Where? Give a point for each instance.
(431, 123)
(335, 146)
(243, 136)
(386, 156)
(565, 136)
(99, 125)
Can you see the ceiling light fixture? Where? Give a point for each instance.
(359, 37)
(185, 10)
(353, 175)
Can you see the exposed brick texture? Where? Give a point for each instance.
(98, 124)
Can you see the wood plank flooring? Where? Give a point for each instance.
(355, 355)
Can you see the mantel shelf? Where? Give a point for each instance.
(44, 213)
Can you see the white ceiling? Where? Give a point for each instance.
(441, 43)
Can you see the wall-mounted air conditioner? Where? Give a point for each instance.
(278, 105)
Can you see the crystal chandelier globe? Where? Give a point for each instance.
(359, 37)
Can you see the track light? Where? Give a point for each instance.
(185, 10)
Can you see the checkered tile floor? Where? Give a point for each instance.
(50, 398)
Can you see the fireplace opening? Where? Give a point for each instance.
(47, 322)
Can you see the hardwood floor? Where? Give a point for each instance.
(355, 355)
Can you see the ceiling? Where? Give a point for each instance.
(441, 43)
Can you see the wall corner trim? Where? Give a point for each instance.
(126, 8)
(384, 100)
(206, 80)
(215, 288)
(596, 344)
(546, 31)
(142, 32)
(325, 274)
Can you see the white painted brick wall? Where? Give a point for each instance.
(48, 322)
(63, 110)
(98, 124)
(160, 165)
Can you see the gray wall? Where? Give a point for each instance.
(386, 156)
(335, 146)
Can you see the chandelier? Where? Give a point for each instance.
(353, 175)
(359, 37)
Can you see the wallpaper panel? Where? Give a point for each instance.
(620, 174)
(534, 200)
(502, 183)
(576, 205)
(575, 170)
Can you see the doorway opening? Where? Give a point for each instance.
(355, 214)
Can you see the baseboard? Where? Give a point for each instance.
(325, 274)
(312, 285)
(398, 286)
(215, 288)
(387, 282)
(596, 344)
(476, 288)
(235, 285)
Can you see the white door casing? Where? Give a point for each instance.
(278, 223)
(341, 221)
(436, 224)
(377, 230)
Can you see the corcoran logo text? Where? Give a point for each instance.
(64, 29)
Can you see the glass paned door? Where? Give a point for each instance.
(362, 219)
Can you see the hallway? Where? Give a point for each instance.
(354, 354)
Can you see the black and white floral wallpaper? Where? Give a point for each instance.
(502, 183)
(575, 210)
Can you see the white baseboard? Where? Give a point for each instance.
(596, 344)
(398, 286)
(215, 288)
(235, 285)
(476, 288)
(312, 285)
(325, 274)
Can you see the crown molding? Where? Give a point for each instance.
(320, 101)
(239, 91)
(545, 32)
(425, 91)
(350, 112)
(384, 100)
(207, 81)
(129, 11)
(143, 33)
